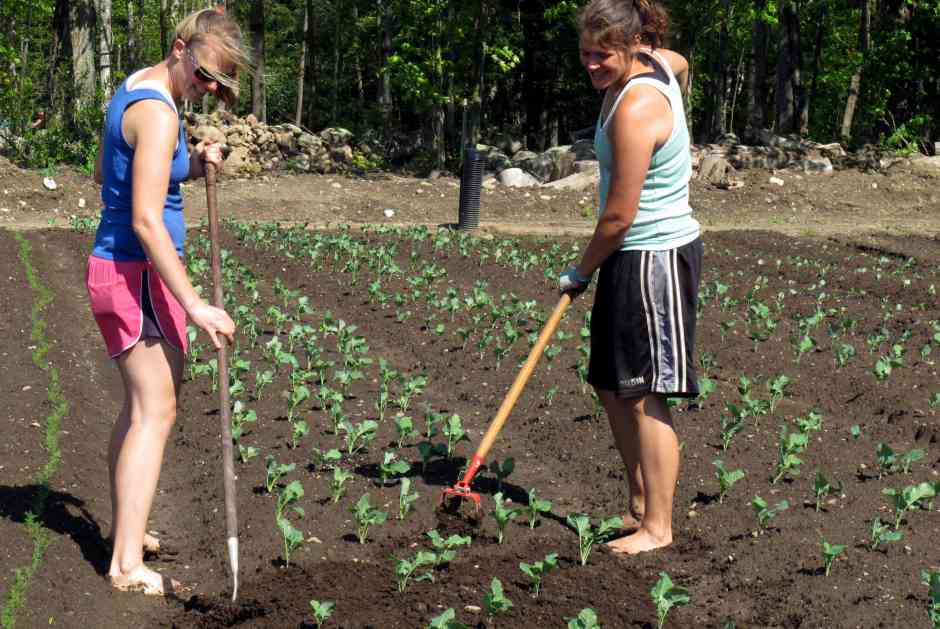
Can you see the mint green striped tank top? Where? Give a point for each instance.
(664, 217)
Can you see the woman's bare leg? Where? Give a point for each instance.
(657, 450)
(152, 371)
(623, 426)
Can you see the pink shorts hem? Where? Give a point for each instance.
(115, 290)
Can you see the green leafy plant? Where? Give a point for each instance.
(366, 517)
(358, 436)
(586, 619)
(823, 487)
(447, 620)
(445, 549)
(274, 471)
(338, 483)
(931, 579)
(455, 433)
(534, 507)
(502, 515)
(665, 596)
(766, 513)
(537, 570)
(790, 444)
(392, 466)
(881, 533)
(321, 611)
(405, 498)
(502, 470)
(726, 478)
(291, 536)
(325, 460)
(778, 389)
(731, 424)
(495, 601)
(829, 553)
(909, 499)
(590, 536)
(405, 429)
(405, 569)
(428, 451)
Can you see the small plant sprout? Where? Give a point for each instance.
(428, 451)
(325, 460)
(881, 532)
(366, 516)
(447, 620)
(405, 498)
(586, 619)
(391, 466)
(790, 444)
(855, 431)
(590, 536)
(829, 553)
(298, 395)
(534, 507)
(358, 436)
(731, 424)
(246, 453)
(823, 487)
(431, 420)
(405, 429)
(274, 471)
(291, 536)
(766, 513)
(321, 611)
(812, 422)
(453, 430)
(502, 470)
(932, 580)
(445, 549)
(405, 568)
(299, 430)
(537, 571)
(502, 515)
(844, 354)
(908, 459)
(665, 596)
(495, 601)
(726, 478)
(778, 389)
(909, 499)
(338, 483)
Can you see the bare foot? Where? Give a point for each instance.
(146, 581)
(632, 520)
(639, 542)
(151, 544)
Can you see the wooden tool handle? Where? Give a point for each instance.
(523, 376)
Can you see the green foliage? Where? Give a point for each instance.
(588, 535)
(495, 601)
(321, 611)
(665, 596)
(536, 571)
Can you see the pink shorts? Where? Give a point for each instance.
(118, 298)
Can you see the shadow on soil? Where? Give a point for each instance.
(63, 514)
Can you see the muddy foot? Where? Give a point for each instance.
(146, 581)
(639, 542)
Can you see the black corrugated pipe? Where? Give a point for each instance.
(471, 182)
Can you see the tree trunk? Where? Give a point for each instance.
(720, 73)
(104, 54)
(60, 49)
(533, 75)
(817, 55)
(385, 91)
(475, 118)
(357, 62)
(864, 42)
(337, 33)
(303, 66)
(256, 27)
(789, 79)
(164, 29)
(81, 27)
(310, 69)
(757, 77)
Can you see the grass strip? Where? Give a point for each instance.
(39, 535)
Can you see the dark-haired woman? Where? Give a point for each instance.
(647, 248)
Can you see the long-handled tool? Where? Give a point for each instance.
(462, 488)
(228, 465)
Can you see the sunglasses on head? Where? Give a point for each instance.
(199, 72)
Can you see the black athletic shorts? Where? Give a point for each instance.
(643, 322)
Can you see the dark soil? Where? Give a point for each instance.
(839, 236)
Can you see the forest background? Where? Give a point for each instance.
(434, 75)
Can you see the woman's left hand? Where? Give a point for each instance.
(210, 153)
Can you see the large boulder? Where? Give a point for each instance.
(208, 133)
(555, 163)
(716, 170)
(926, 166)
(506, 144)
(309, 142)
(584, 180)
(583, 150)
(336, 136)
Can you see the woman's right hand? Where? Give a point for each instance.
(214, 321)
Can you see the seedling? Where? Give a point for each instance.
(298, 395)
(325, 460)
(909, 499)
(726, 478)
(241, 416)
(431, 420)
(366, 516)
(790, 444)
(291, 536)
(881, 533)
(391, 466)
(932, 580)
(589, 536)
(299, 430)
(274, 472)
(405, 429)
(445, 548)
(502, 470)
(586, 619)
(245, 454)
(405, 499)
(844, 354)
(321, 611)
(338, 483)
(778, 390)
(502, 515)
(455, 433)
(830, 552)
(495, 601)
(666, 596)
(405, 569)
(537, 571)
(811, 423)
(358, 436)
(447, 620)
(731, 425)
(822, 488)
(534, 507)
(765, 513)
(855, 431)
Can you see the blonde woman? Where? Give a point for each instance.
(647, 249)
(137, 284)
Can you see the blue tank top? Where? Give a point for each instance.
(115, 239)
